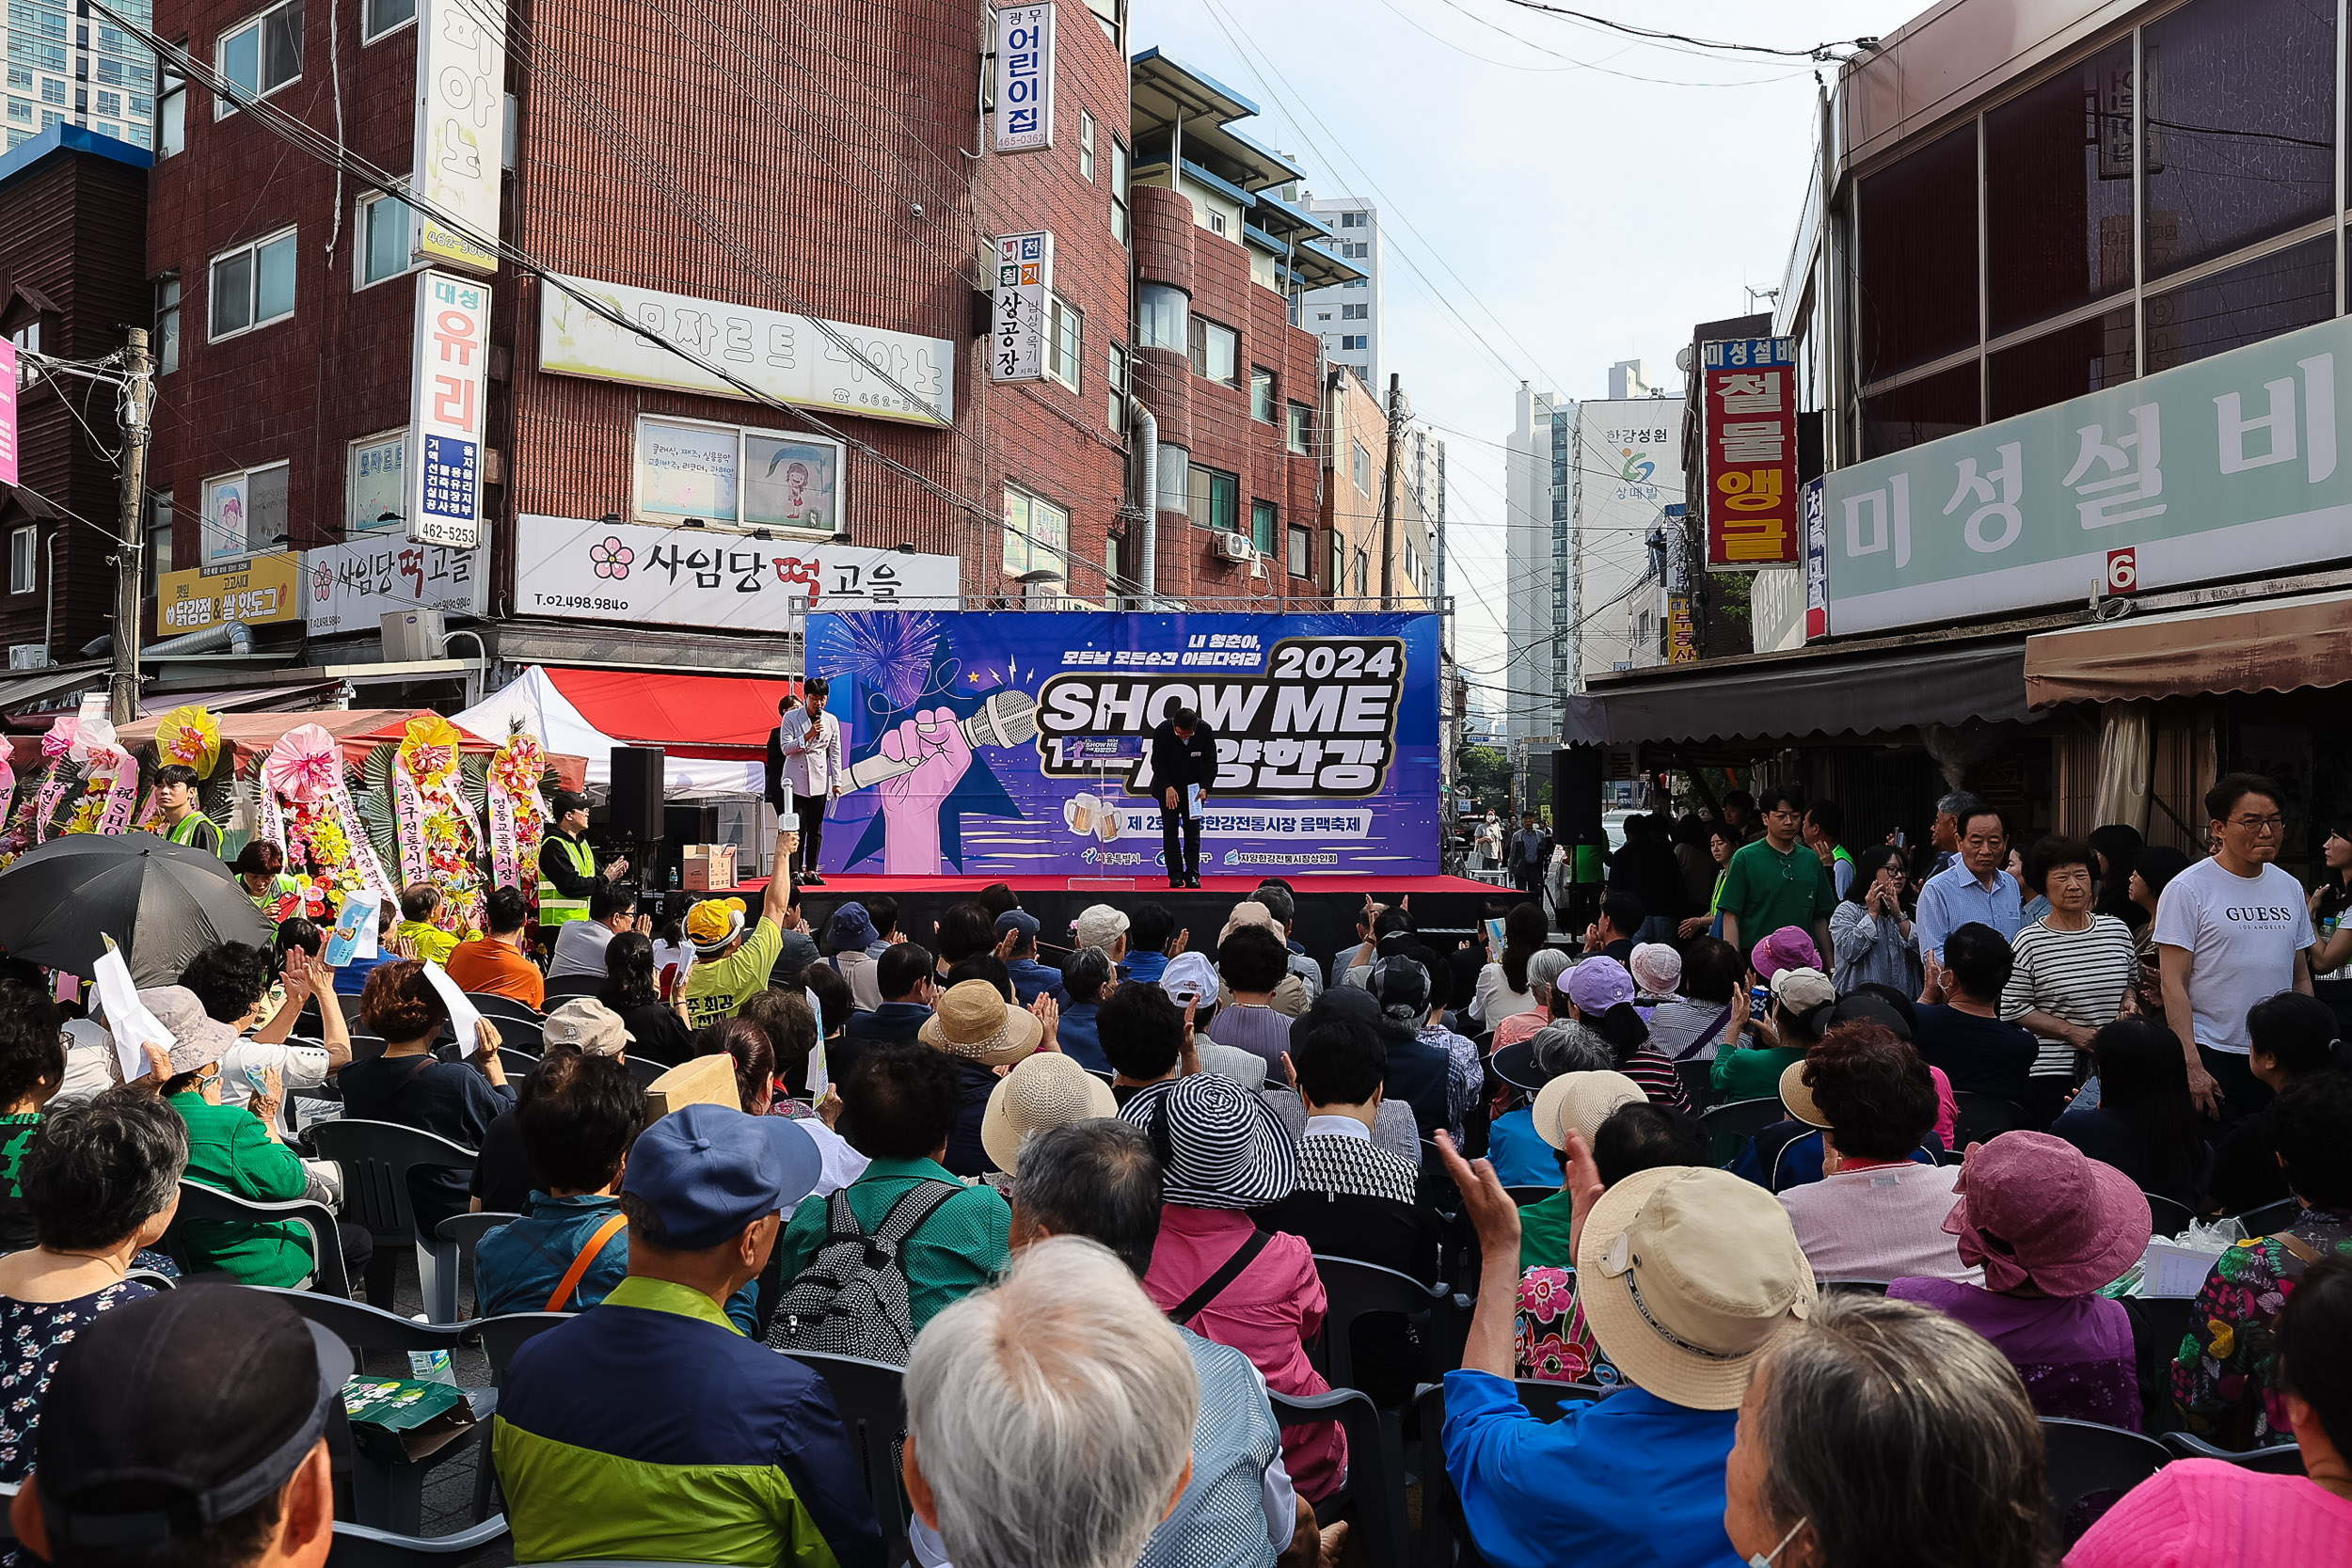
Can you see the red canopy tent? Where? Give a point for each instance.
(719, 717)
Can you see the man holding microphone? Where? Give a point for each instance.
(807, 748)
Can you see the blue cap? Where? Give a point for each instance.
(1017, 920)
(708, 1171)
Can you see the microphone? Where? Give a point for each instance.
(1007, 719)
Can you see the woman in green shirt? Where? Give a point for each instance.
(1802, 999)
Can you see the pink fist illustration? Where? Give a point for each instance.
(933, 740)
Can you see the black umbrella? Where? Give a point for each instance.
(163, 902)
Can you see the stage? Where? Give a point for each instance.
(1447, 908)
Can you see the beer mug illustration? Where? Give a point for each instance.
(1079, 811)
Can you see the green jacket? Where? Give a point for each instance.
(1751, 1074)
(228, 1149)
(958, 1250)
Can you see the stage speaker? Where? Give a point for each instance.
(1577, 772)
(635, 808)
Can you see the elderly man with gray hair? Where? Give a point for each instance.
(1050, 1417)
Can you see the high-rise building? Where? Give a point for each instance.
(68, 66)
(1347, 315)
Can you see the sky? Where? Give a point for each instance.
(1546, 210)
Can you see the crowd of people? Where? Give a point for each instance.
(1086, 1185)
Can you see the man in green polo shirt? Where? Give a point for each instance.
(176, 813)
(1777, 881)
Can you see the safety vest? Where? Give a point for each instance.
(186, 830)
(555, 909)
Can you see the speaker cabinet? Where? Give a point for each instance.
(636, 806)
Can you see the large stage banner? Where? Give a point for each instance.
(1016, 743)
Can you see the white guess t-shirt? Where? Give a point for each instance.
(2242, 934)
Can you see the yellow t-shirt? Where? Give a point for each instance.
(715, 987)
(433, 943)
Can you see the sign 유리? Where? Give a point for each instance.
(1025, 78)
(1024, 272)
(446, 400)
(255, 591)
(460, 147)
(1748, 408)
(348, 587)
(800, 360)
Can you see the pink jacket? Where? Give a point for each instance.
(1269, 1313)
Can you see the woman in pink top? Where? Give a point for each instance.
(2207, 1514)
(1223, 1151)
(1542, 972)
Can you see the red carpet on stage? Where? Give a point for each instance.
(1237, 886)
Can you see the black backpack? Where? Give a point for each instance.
(851, 1299)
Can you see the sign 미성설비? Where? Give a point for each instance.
(690, 577)
(2220, 468)
(1748, 415)
(448, 398)
(350, 587)
(255, 591)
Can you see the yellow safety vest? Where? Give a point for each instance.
(554, 909)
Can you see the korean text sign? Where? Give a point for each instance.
(446, 410)
(460, 145)
(1749, 405)
(1018, 742)
(1024, 271)
(7, 412)
(1025, 78)
(700, 577)
(2219, 468)
(255, 591)
(349, 587)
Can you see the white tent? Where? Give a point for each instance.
(543, 710)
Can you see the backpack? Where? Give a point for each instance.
(851, 1299)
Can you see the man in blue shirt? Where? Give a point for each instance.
(1973, 889)
(1685, 1276)
(1151, 930)
(1030, 978)
(904, 975)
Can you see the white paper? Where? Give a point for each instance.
(819, 1079)
(2175, 1271)
(366, 946)
(465, 1022)
(1192, 800)
(127, 1018)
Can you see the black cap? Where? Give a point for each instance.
(180, 1411)
(569, 800)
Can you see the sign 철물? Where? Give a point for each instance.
(1025, 78)
(256, 592)
(349, 587)
(2220, 468)
(460, 146)
(446, 410)
(1024, 272)
(1748, 411)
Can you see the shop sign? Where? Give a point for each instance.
(1024, 274)
(1748, 418)
(255, 591)
(2226, 467)
(459, 153)
(7, 412)
(349, 587)
(797, 360)
(1681, 643)
(446, 398)
(692, 577)
(1025, 78)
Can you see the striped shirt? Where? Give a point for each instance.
(2076, 976)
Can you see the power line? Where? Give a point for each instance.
(1820, 52)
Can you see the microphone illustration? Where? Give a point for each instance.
(1007, 719)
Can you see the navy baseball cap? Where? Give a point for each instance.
(1017, 920)
(707, 1171)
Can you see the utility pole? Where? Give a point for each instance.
(138, 399)
(1388, 500)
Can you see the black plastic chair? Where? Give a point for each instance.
(1544, 1400)
(498, 1010)
(871, 1396)
(1741, 1119)
(391, 1496)
(508, 1332)
(2271, 1218)
(2085, 1459)
(154, 1279)
(1852, 1287)
(2167, 1217)
(2286, 1459)
(464, 1233)
(1355, 1289)
(1373, 1499)
(1983, 1117)
(1525, 1195)
(360, 1547)
(562, 989)
(376, 1157)
(366, 1047)
(643, 1071)
(1698, 1081)
(200, 1202)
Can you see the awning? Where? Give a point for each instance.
(1790, 698)
(2270, 646)
(713, 728)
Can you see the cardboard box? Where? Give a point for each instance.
(396, 1420)
(709, 867)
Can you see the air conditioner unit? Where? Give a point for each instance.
(1234, 547)
(412, 636)
(28, 655)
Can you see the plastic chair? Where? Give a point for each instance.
(361, 1546)
(2271, 1218)
(391, 1496)
(200, 1202)
(1357, 1290)
(498, 1010)
(643, 1070)
(366, 1047)
(2169, 1218)
(1373, 1499)
(376, 1157)
(154, 1279)
(1741, 1119)
(1544, 1400)
(508, 1332)
(1697, 1081)
(464, 1233)
(1983, 1117)
(563, 987)
(1853, 1287)
(2084, 1458)
(2286, 1459)
(871, 1396)
(1525, 1195)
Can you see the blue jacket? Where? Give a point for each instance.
(1031, 979)
(1081, 1036)
(520, 1264)
(651, 1428)
(1145, 968)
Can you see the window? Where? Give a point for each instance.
(51, 117)
(19, 109)
(1915, 228)
(1355, 313)
(1160, 312)
(1357, 283)
(52, 91)
(1352, 341)
(1322, 315)
(1037, 533)
(1214, 351)
(1214, 499)
(1302, 552)
(1115, 373)
(1085, 145)
(156, 559)
(20, 77)
(23, 559)
(1118, 190)
(1261, 394)
(1363, 572)
(253, 285)
(2057, 200)
(1351, 220)
(110, 103)
(1065, 336)
(2261, 298)
(383, 250)
(245, 513)
(257, 58)
(727, 476)
(375, 488)
(166, 343)
(1110, 568)
(1356, 250)
(379, 17)
(171, 116)
(1265, 526)
(1301, 430)
(27, 339)
(110, 128)
(1362, 469)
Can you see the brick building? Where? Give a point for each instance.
(73, 208)
(713, 166)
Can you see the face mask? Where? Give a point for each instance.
(1765, 1560)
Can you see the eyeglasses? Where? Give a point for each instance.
(2260, 824)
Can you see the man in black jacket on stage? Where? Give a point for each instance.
(1184, 751)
